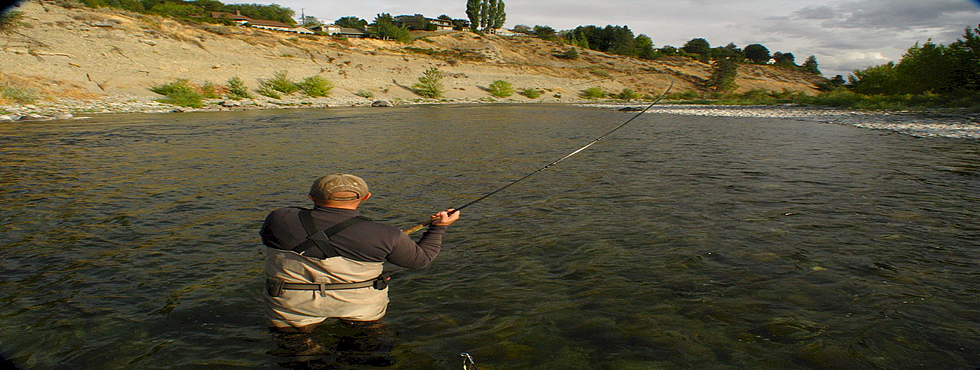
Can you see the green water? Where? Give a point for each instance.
(679, 242)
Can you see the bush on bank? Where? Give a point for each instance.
(179, 92)
(501, 89)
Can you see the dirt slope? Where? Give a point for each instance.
(83, 52)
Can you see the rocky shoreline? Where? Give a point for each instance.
(945, 124)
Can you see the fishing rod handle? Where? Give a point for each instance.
(418, 227)
(427, 222)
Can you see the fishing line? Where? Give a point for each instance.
(549, 165)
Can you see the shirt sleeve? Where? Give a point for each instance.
(407, 253)
(268, 236)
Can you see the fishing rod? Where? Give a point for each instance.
(549, 165)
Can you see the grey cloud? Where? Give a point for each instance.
(899, 14)
(816, 13)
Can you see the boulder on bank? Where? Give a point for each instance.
(381, 103)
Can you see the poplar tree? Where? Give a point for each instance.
(485, 15)
(499, 16)
(473, 13)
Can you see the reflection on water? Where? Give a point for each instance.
(335, 346)
(131, 241)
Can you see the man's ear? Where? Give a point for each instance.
(366, 196)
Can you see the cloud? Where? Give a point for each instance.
(836, 31)
(856, 34)
(815, 13)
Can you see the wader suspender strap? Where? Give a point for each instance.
(319, 239)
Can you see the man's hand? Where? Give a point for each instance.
(445, 218)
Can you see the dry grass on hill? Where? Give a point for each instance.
(81, 52)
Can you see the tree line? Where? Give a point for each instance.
(620, 40)
(928, 68)
(198, 10)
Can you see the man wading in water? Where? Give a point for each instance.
(327, 262)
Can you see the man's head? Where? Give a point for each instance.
(339, 188)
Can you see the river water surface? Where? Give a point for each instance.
(679, 242)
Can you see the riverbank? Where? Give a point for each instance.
(948, 124)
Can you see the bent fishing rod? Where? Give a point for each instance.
(549, 165)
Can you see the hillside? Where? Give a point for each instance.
(85, 53)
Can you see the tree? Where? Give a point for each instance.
(965, 54)
(611, 39)
(351, 22)
(416, 22)
(179, 10)
(544, 32)
(473, 8)
(501, 89)
(571, 53)
(498, 16)
(622, 41)
(927, 68)
(757, 53)
(267, 12)
(209, 5)
(384, 28)
(723, 75)
(311, 21)
(580, 41)
(430, 84)
(486, 15)
(810, 65)
(832, 84)
(644, 47)
(522, 28)
(880, 79)
(784, 59)
(697, 46)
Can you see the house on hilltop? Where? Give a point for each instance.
(244, 21)
(417, 22)
(338, 31)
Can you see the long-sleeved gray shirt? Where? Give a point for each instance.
(365, 241)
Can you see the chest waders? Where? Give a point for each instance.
(319, 239)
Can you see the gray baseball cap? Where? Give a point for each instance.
(324, 188)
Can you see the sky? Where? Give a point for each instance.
(844, 35)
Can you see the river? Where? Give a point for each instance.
(679, 242)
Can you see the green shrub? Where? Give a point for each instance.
(628, 94)
(169, 88)
(20, 95)
(430, 84)
(11, 20)
(279, 82)
(364, 94)
(571, 53)
(237, 89)
(531, 93)
(594, 93)
(266, 90)
(501, 89)
(210, 91)
(315, 86)
(179, 92)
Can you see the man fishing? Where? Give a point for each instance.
(327, 262)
